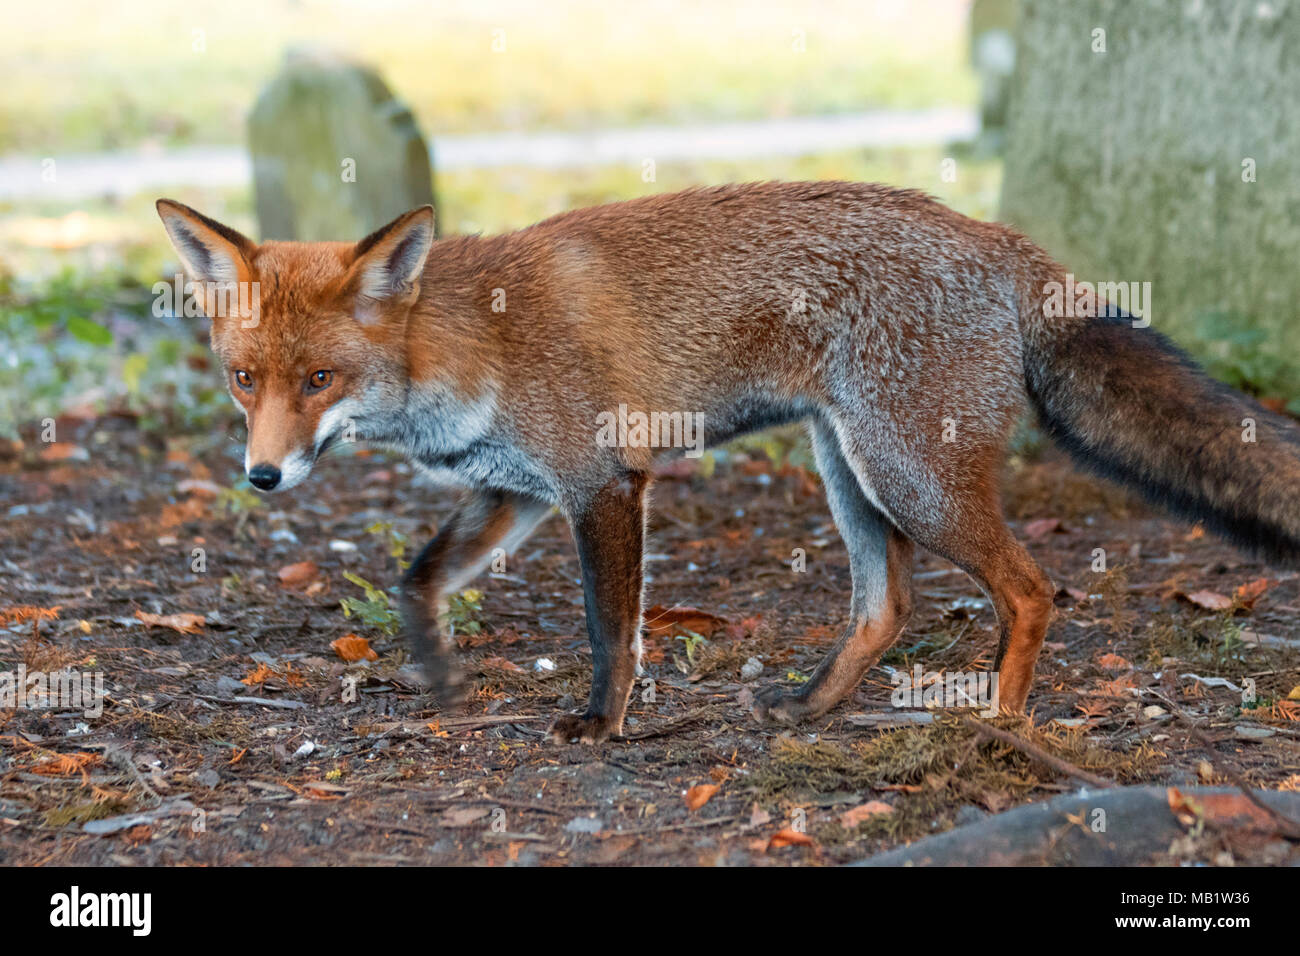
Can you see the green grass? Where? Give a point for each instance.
(80, 76)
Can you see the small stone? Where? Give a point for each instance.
(228, 685)
(1254, 733)
(751, 669)
(208, 778)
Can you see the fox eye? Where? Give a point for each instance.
(320, 379)
(243, 380)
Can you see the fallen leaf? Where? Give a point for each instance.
(496, 662)
(902, 787)
(851, 818)
(1113, 662)
(1077, 595)
(259, 676)
(298, 575)
(679, 468)
(1042, 527)
(663, 621)
(463, 816)
(789, 837)
(199, 487)
(1208, 600)
(699, 795)
(63, 451)
(184, 623)
(321, 790)
(352, 648)
(1222, 810)
(1247, 594)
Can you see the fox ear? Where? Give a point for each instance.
(389, 262)
(209, 251)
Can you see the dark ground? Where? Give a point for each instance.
(108, 531)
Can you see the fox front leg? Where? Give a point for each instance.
(609, 529)
(485, 522)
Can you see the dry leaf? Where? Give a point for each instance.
(1208, 600)
(185, 623)
(1042, 527)
(463, 816)
(901, 787)
(789, 837)
(851, 818)
(1222, 810)
(199, 487)
(496, 662)
(698, 796)
(670, 622)
(63, 451)
(1247, 594)
(259, 676)
(1113, 662)
(321, 790)
(352, 648)
(298, 575)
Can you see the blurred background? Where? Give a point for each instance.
(1151, 141)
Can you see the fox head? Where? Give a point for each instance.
(310, 336)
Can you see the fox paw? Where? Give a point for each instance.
(584, 728)
(445, 681)
(772, 705)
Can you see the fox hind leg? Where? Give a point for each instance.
(880, 561)
(960, 518)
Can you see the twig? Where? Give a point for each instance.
(1039, 754)
(122, 759)
(255, 701)
(671, 726)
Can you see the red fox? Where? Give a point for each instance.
(908, 336)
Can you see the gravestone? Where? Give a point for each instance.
(335, 155)
(1160, 141)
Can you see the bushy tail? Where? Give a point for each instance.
(1128, 404)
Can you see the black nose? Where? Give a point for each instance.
(265, 477)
